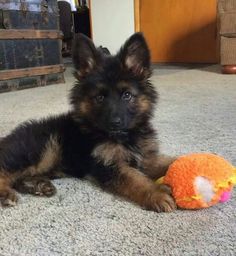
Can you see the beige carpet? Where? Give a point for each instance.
(197, 112)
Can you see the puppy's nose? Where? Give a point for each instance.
(115, 122)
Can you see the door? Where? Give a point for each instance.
(179, 30)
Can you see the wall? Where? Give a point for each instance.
(112, 22)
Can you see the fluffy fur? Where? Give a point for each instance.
(107, 134)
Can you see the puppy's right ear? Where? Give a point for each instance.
(85, 56)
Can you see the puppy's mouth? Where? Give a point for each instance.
(119, 134)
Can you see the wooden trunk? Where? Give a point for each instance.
(30, 44)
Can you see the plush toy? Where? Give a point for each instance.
(200, 180)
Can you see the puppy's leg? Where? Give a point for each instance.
(135, 186)
(20, 160)
(155, 166)
(7, 194)
(40, 186)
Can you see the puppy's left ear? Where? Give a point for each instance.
(135, 56)
(86, 57)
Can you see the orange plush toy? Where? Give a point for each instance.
(200, 180)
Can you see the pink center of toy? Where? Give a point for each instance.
(225, 196)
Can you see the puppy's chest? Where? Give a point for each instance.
(110, 153)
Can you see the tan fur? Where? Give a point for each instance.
(84, 107)
(83, 72)
(5, 180)
(111, 153)
(148, 145)
(124, 86)
(154, 165)
(49, 158)
(133, 184)
(143, 104)
(138, 188)
(7, 194)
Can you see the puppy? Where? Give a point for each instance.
(107, 134)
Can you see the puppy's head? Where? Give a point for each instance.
(113, 93)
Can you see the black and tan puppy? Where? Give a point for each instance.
(107, 134)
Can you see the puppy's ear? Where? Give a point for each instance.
(135, 56)
(85, 56)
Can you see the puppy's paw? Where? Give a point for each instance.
(39, 186)
(45, 188)
(8, 198)
(161, 200)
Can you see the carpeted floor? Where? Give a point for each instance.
(197, 112)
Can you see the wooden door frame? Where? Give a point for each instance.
(137, 22)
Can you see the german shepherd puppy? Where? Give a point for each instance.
(107, 134)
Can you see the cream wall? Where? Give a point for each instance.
(112, 22)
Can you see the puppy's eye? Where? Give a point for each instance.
(99, 98)
(126, 96)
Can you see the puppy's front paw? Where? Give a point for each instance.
(45, 188)
(161, 201)
(39, 186)
(8, 198)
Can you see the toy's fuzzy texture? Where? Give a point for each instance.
(200, 180)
